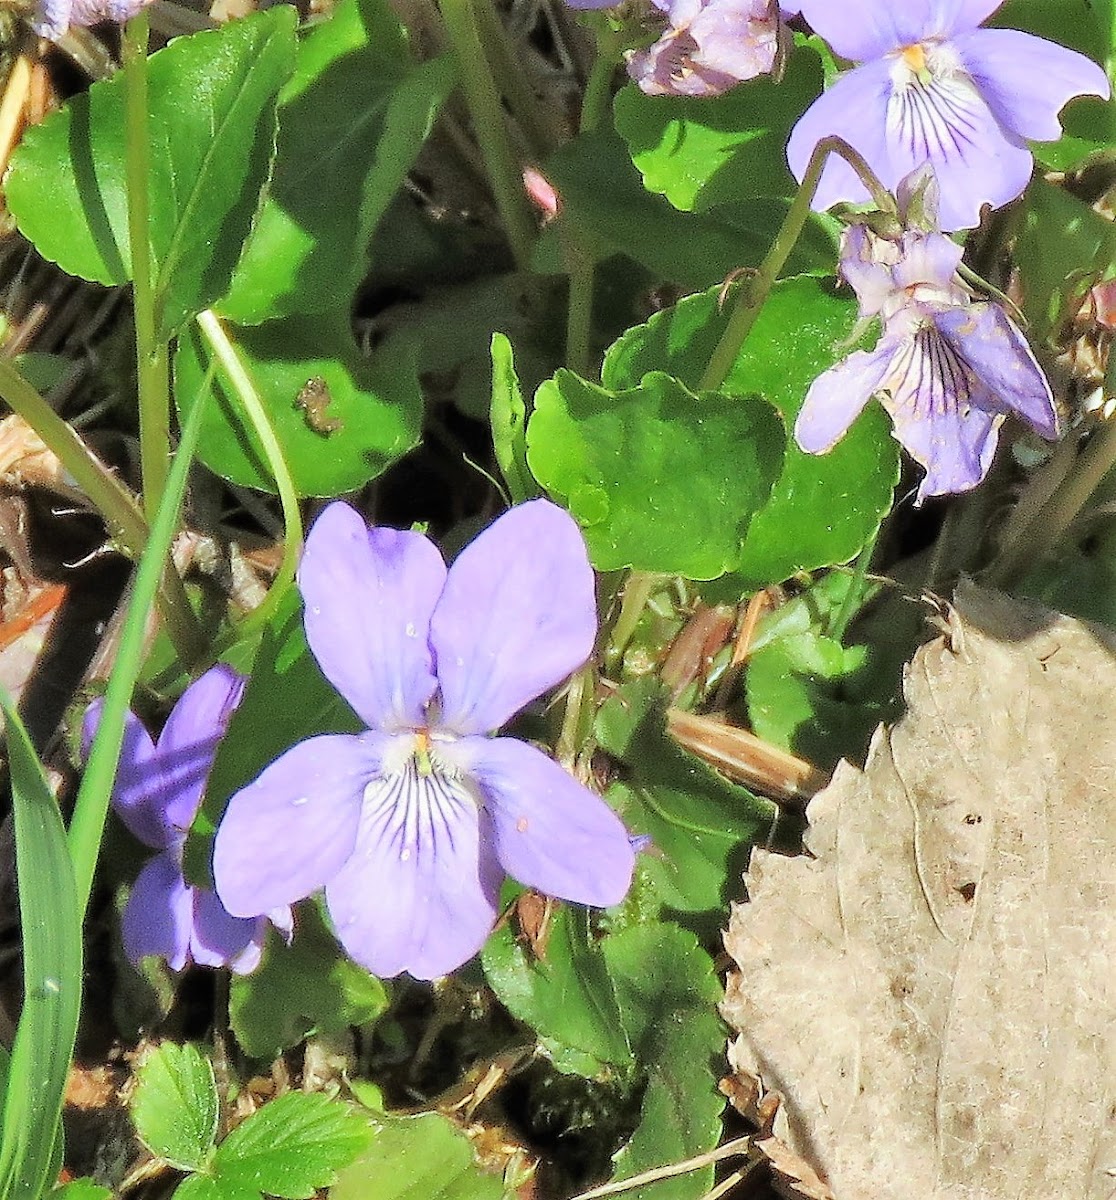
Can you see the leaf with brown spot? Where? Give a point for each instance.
(933, 992)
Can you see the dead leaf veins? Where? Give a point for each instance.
(933, 990)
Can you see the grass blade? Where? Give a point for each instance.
(48, 905)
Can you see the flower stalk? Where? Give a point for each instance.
(152, 361)
(581, 263)
(504, 171)
(751, 297)
(225, 353)
(1049, 524)
(91, 807)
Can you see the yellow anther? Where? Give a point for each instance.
(915, 57)
(422, 752)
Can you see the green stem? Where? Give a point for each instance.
(581, 263)
(598, 87)
(752, 297)
(226, 354)
(91, 808)
(504, 171)
(512, 83)
(1040, 487)
(1048, 525)
(125, 521)
(1059, 512)
(152, 364)
(581, 268)
(855, 593)
(577, 718)
(637, 591)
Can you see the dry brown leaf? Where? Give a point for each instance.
(934, 992)
(793, 1177)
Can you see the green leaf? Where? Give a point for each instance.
(341, 419)
(823, 508)
(351, 121)
(668, 995)
(603, 199)
(417, 1158)
(701, 825)
(1054, 271)
(660, 479)
(50, 912)
(508, 417)
(701, 152)
(567, 997)
(80, 1189)
(809, 694)
(291, 1147)
(175, 1106)
(307, 987)
(212, 114)
(204, 1187)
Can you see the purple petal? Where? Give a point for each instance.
(854, 108)
(92, 12)
(188, 743)
(971, 13)
(135, 791)
(518, 614)
(51, 18)
(550, 831)
(1009, 378)
(866, 265)
(943, 416)
(837, 396)
(927, 258)
(159, 914)
(955, 448)
(369, 594)
(681, 12)
(219, 939)
(675, 66)
(1026, 80)
(737, 38)
(861, 30)
(283, 836)
(283, 920)
(419, 893)
(946, 122)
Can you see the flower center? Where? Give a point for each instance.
(423, 762)
(915, 58)
(419, 802)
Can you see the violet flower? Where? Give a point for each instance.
(52, 18)
(948, 368)
(157, 793)
(411, 826)
(935, 88)
(709, 46)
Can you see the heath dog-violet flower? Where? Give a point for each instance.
(157, 793)
(412, 825)
(948, 368)
(935, 88)
(52, 18)
(709, 46)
